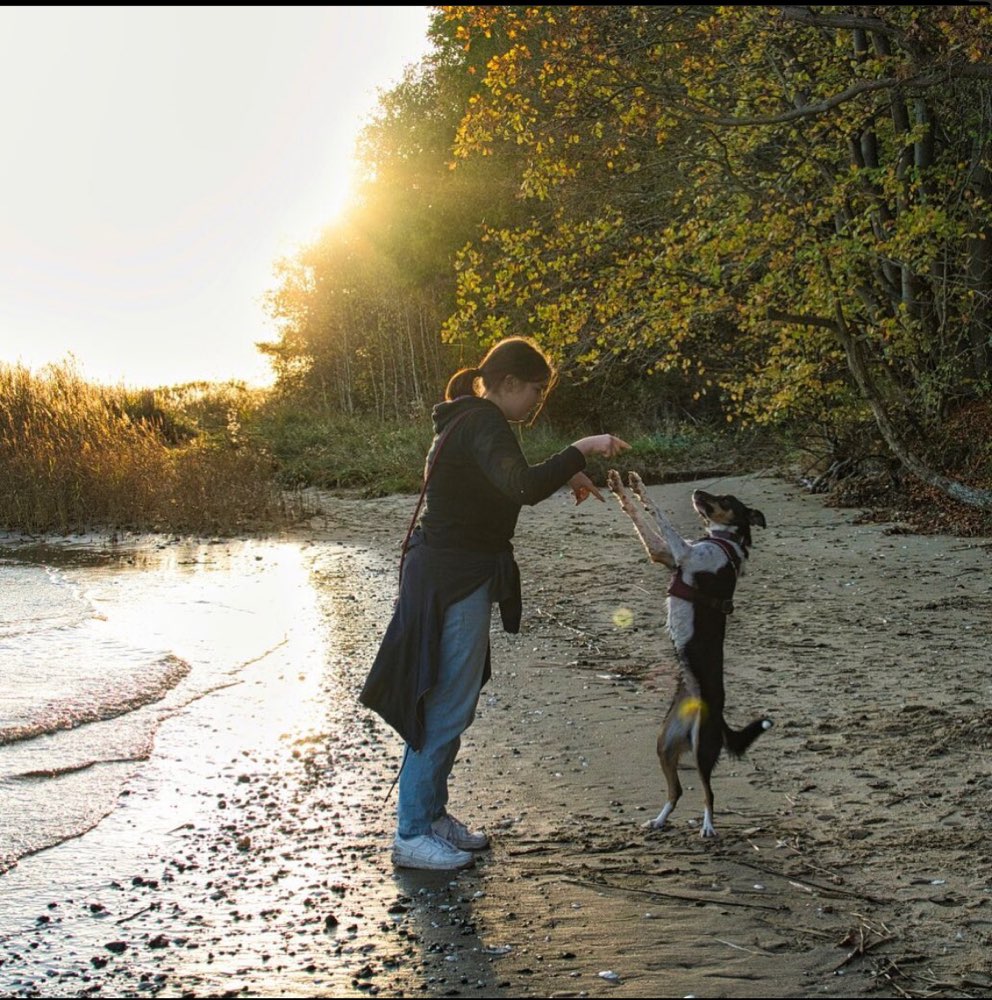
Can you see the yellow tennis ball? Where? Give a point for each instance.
(623, 617)
(692, 706)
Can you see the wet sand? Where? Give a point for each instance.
(249, 855)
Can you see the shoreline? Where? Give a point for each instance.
(250, 854)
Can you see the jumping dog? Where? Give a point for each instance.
(700, 596)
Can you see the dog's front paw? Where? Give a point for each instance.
(614, 482)
(636, 484)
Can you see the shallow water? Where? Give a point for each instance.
(258, 815)
(99, 645)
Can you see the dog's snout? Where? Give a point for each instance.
(703, 502)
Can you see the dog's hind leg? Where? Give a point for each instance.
(669, 751)
(708, 746)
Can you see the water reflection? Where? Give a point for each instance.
(115, 644)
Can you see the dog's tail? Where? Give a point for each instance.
(738, 740)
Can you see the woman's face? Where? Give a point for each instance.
(519, 399)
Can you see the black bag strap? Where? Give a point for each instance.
(428, 472)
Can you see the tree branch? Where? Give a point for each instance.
(979, 70)
(805, 15)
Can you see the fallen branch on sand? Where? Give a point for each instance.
(860, 938)
(818, 886)
(682, 897)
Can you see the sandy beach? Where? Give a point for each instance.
(248, 854)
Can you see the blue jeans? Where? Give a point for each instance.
(449, 709)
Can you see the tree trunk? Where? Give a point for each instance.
(858, 365)
(980, 275)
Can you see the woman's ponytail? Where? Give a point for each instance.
(462, 383)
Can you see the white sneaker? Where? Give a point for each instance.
(430, 852)
(455, 832)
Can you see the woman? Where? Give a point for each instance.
(434, 658)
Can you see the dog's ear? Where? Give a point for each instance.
(756, 517)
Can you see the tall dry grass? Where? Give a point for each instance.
(73, 456)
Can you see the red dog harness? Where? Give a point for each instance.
(679, 588)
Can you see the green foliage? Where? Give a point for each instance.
(670, 450)
(341, 451)
(377, 457)
(789, 206)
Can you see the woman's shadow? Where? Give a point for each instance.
(434, 915)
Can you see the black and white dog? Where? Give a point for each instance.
(699, 600)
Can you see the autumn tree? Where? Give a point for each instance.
(789, 204)
(360, 310)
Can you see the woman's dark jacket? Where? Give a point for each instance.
(479, 479)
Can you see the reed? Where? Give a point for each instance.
(345, 452)
(74, 455)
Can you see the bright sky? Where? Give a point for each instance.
(158, 159)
